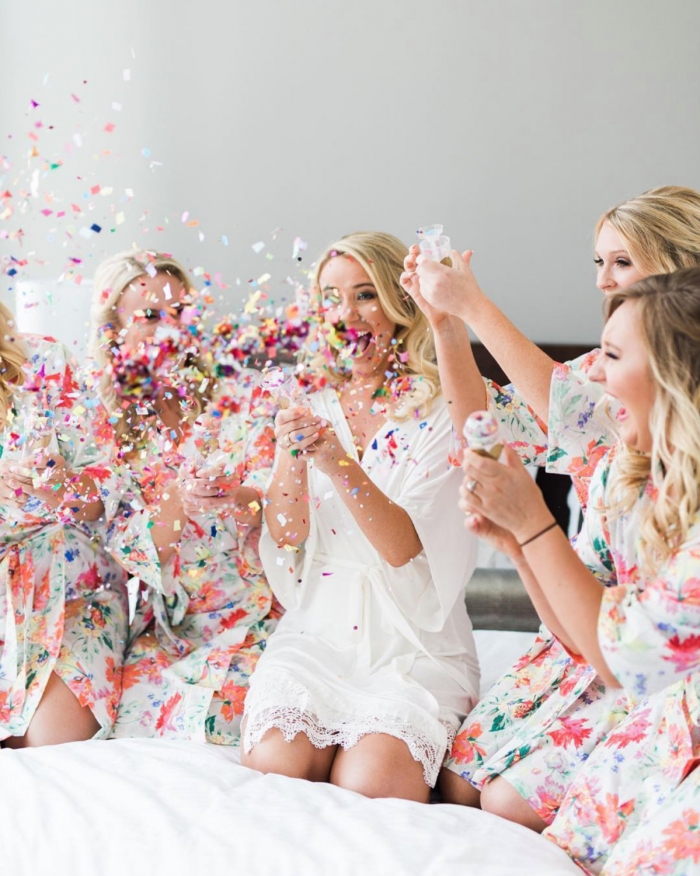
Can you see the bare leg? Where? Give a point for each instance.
(455, 789)
(58, 718)
(297, 759)
(380, 766)
(500, 798)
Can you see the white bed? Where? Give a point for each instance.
(164, 808)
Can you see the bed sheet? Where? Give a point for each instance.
(164, 808)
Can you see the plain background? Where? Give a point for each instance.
(514, 123)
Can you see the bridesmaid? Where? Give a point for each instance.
(198, 448)
(513, 731)
(644, 521)
(63, 603)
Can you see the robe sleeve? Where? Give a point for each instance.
(581, 425)
(649, 631)
(519, 426)
(427, 588)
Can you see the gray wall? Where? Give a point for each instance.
(512, 122)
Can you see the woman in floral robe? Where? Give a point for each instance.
(63, 603)
(643, 635)
(189, 524)
(545, 696)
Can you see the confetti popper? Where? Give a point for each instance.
(434, 244)
(219, 443)
(283, 387)
(481, 434)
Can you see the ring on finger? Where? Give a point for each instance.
(472, 485)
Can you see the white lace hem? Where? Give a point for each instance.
(290, 721)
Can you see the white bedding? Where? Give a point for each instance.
(132, 807)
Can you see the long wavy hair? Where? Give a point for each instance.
(661, 228)
(381, 257)
(669, 310)
(13, 356)
(112, 277)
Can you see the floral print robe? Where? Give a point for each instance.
(540, 720)
(635, 805)
(204, 618)
(63, 602)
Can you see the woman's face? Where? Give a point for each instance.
(147, 304)
(350, 300)
(616, 270)
(623, 370)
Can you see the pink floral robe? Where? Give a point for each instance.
(541, 719)
(634, 807)
(63, 601)
(204, 618)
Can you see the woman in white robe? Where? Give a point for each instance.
(365, 680)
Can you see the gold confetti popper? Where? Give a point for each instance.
(481, 434)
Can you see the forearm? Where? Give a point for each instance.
(573, 593)
(82, 497)
(287, 504)
(524, 363)
(541, 604)
(462, 384)
(168, 519)
(247, 507)
(386, 525)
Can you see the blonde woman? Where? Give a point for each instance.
(503, 736)
(653, 233)
(63, 613)
(373, 664)
(642, 533)
(188, 523)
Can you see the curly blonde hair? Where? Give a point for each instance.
(661, 228)
(669, 311)
(381, 257)
(13, 356)
(112, 277)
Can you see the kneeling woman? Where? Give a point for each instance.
(63, 603)
(366, 678)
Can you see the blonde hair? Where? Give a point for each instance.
(13, 356)
(661, 228)
(112, 278)
(669, 311)
(381, 257)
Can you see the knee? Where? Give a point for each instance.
(82, 726)
(454, 789)
(374, 783)
(500, 798)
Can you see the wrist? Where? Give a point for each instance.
(535, 533)
(532, 523)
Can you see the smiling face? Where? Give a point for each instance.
(615, 268)
(623, 370)
(149, 303)
(350, 300)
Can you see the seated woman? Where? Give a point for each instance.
(189, 522)
(373, 664)
(642, 528)
(63, 603)
(546, 690)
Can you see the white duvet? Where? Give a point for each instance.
(161, 808)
